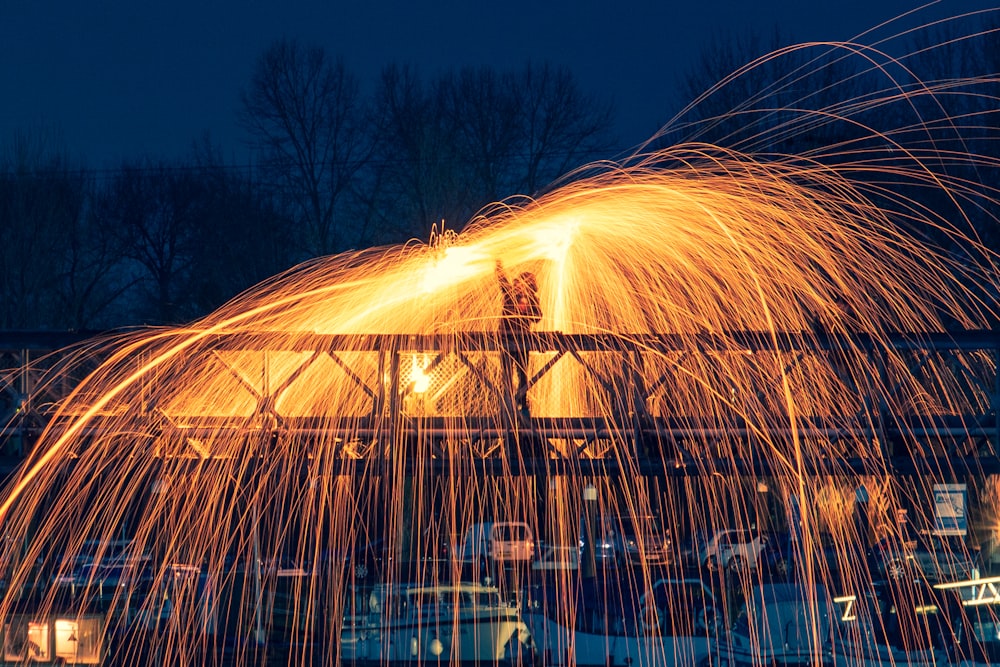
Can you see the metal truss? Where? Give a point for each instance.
(909, 403)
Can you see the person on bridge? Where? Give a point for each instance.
(521, 310)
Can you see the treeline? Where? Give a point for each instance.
(158, 242)
(163, 242)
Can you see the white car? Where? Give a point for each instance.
(500, 541)
(735, 549)
(557, 557)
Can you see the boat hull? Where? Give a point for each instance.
(559, 646)
(460, 640)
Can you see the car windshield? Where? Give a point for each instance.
(510, 532)
(646, 526)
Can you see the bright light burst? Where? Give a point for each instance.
(263, 436)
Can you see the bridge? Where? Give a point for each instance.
(424, 400)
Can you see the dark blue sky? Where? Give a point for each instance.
(122, 78)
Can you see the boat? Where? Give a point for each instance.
(921, 624)
(900, 623)
(802, 625)
(462, 623)
(782, 625)
(675, 622)
(975, 641)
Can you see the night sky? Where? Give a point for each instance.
(124, 78)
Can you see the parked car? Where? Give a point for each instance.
(604, 548)
(104, 564)
(627, 538)
(557, 557)
(118, 573)
(689, 550)
(734, 549)
(936, 558)
(499, 541)
(643, 538)
(436, 545)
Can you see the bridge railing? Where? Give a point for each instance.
(658, 396)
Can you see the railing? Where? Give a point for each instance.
(629, 419)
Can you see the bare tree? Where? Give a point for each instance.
(52, 272)
(94, 277)
(521, 130)
(484, 123)
(417, 176)
(561, 127)
(446, 149)
(764, 96)
(951, 111)
(156, 208)
(240, 232)
(304, 114)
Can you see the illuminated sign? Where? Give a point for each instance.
(949, 509)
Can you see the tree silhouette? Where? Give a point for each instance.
(54, 270)
(446, 148)
(304, 114)
(156, 208)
